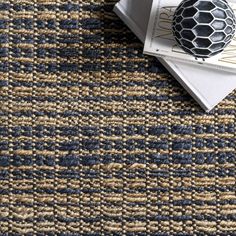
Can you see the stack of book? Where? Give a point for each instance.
(208, 82)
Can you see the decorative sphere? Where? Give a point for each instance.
(203, 28)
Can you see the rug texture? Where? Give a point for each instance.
(97, 139)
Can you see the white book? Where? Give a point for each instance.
(207, 86)
(160, 40)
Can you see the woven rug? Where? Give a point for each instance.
(97, 139)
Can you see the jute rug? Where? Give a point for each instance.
(97, 139)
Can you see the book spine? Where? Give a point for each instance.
(118, 9)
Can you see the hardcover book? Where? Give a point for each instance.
(160, 40)
(207, 86)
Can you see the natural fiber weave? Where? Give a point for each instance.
(96, 139)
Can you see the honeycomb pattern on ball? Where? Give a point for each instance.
(203, 28)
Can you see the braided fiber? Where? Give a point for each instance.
(97, 139)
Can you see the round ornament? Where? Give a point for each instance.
(203, 28)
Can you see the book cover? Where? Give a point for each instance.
(207, 86)
(160, 40)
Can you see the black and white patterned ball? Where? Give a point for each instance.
(203, 28)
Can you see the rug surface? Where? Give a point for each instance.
(97, 139)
